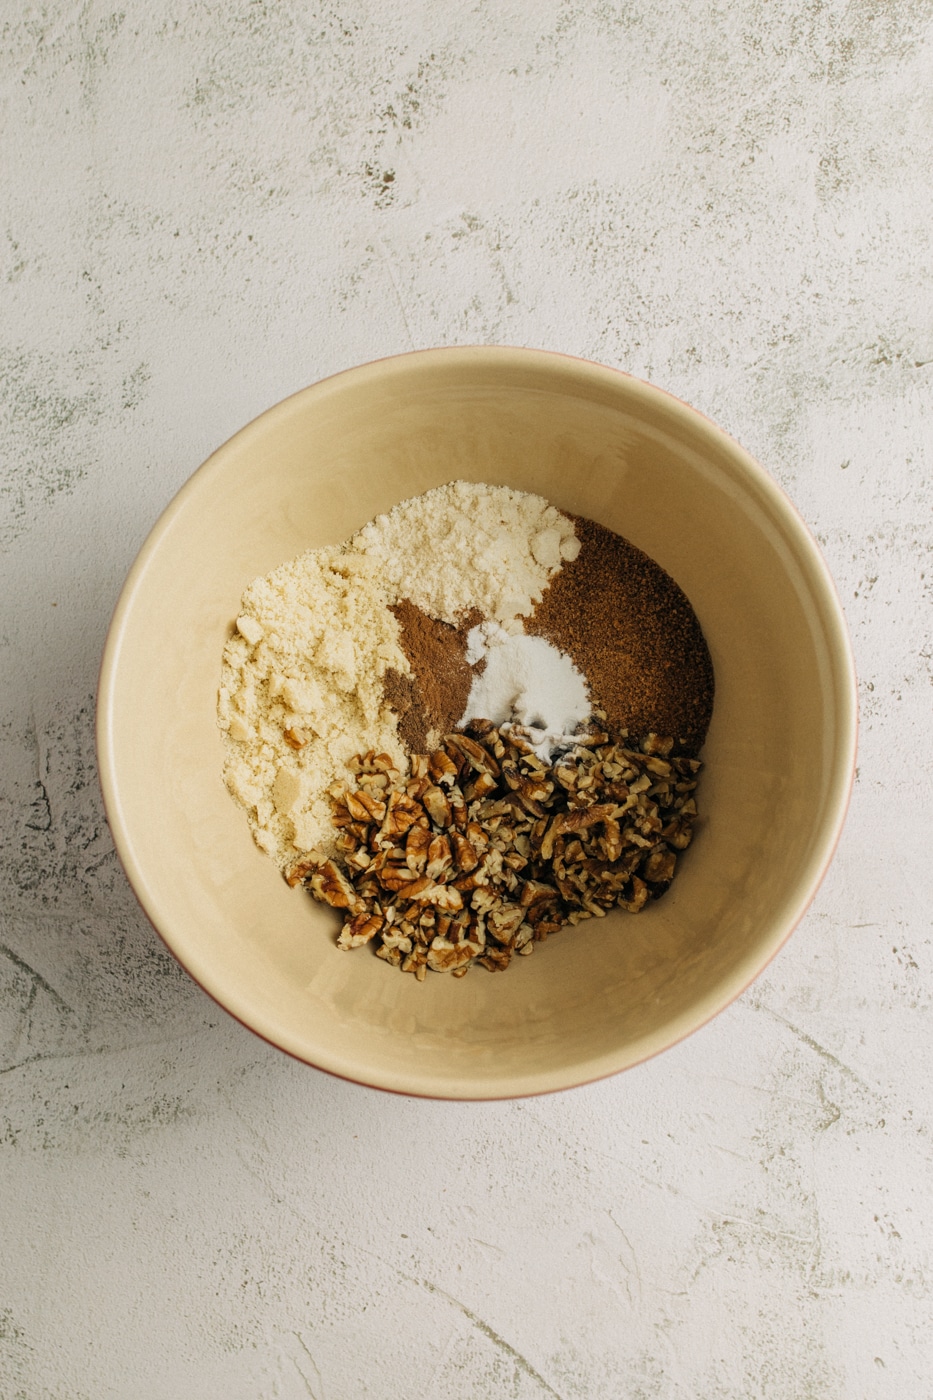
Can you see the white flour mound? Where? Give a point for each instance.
(301, 690)
(526, 681)
(467, 545)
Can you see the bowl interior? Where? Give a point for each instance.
(778, 758)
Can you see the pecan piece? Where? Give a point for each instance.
(439, 857)
(535, 893)
(479, 787)
(437, 806)
(638, 897)
(446, 897)
(481, 728)
(496, 959)
(358, 861)
(402, 812)
(299, 873)
(678, 833)
(464, 853)
(373, 808)
(442, 769)
(566, 822)
(503, 923)
(416, 848)
(330, 885)
(357, 810)
(395, 875)
(659, 866)
(360, 930)
(444, 956)
(652, 743)
(478, 758)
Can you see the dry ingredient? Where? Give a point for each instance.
(467, 545)
(485, 850)
(301, 690)
(315, 672)
(630, 629)
(430, 699)
(526, 681)
(429, 725)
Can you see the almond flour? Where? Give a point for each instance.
(470, 546)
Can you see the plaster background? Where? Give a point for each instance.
(207, 206)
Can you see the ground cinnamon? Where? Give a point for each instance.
(429, 702)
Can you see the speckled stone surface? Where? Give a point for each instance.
(210, 205)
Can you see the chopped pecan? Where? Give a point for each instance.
(395, 875)
(438, 884)
(402, 812)
(444, 956)
(358, 860)
(659, 865)
(446, 897)
(678, 833)
(299, 873)
(638, 896)
(360, 930)
(503, 922)
(437, 806)
(442, 769)
(465, 855)
(496, 959)
(330, 885)
(479, 758)
(652, 743)
(439, 857)
(373, 807)
(479, 787)
(416, 848)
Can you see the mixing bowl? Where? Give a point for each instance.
(778, 759)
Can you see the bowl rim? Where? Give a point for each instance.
(833, 616)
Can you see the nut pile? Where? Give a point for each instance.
(485, 849)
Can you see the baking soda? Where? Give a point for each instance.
(525, 681)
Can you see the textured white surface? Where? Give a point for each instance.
(210, 205)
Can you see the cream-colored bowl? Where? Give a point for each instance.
(779, 756)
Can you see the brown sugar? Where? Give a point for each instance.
(430, 702)
(630, 629)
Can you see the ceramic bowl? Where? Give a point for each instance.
(779, 755)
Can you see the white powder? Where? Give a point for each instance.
(468, 545)
(525, 681)
(302, 681)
